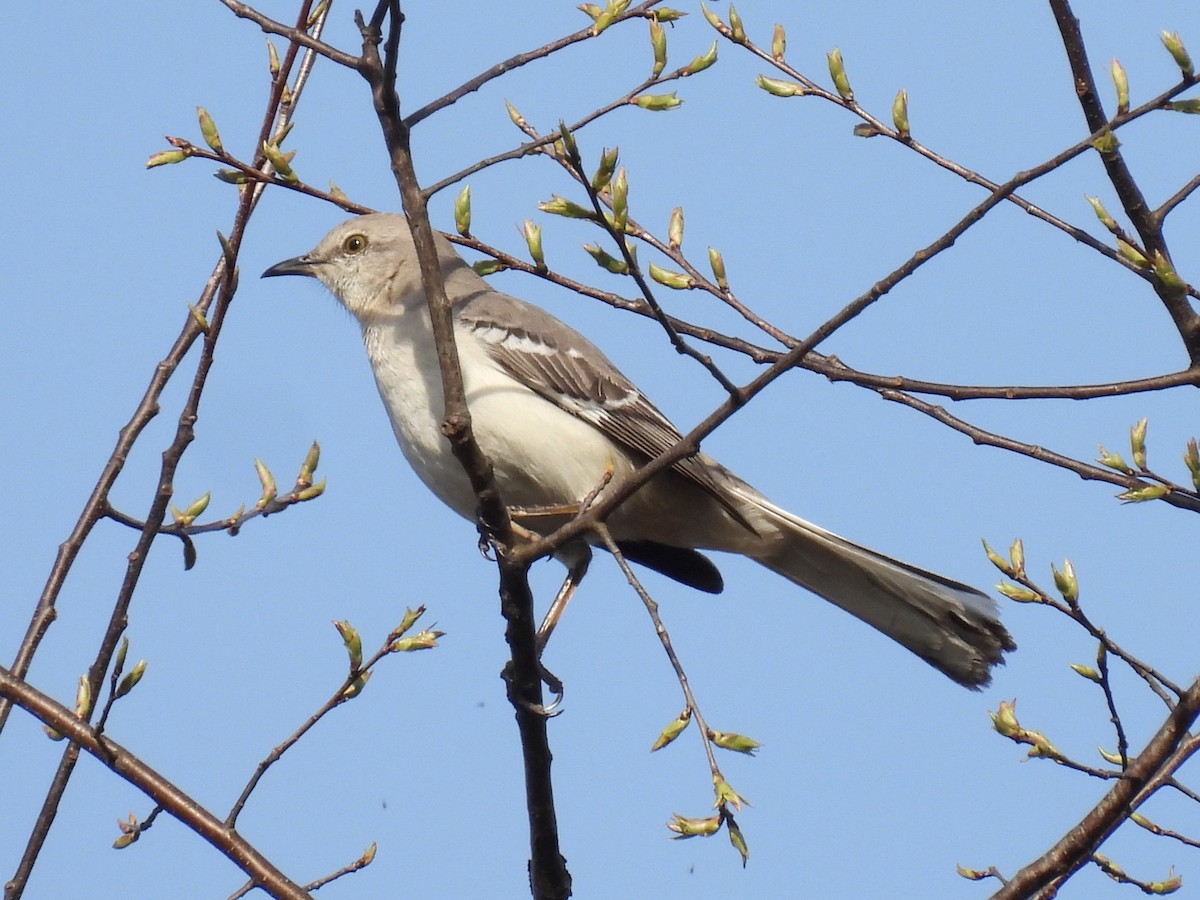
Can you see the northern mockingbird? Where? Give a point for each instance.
(553, 414)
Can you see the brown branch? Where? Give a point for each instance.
(1148, 226)
(183, 807)
(515, 62)
(219, 293)
(549, 877)
(1149, 769)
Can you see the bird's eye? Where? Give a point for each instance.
(356, 243)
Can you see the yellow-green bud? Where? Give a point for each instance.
(122, 652)
(619, 195)
(736, 30)
(198, 318)
(1121, 83)
(1004, 719)
(1109, 756)
(971, 874)
(166, 158)
(83, 697)
(1191, 458)
(1085, 672)
(208, 130)
(281, 161)
(311, 460)
(837, 71)
(778, 43)
(1168, 886)
(1066, 582)
(1018, 594)
(1174, 45)
(1137, 442)
(368, 856)
(354, 688)
(1144, 493)
(1106, 142)
(713, 19)
(718, 267)
(1191, 105)
(422, 640)
(1016, 553)
(675, 280)
(268, 484)
(737, 839)
(533, 239)
(272, 59)
(311, 492)
(317, 13)
(189, 515)
(664, 14)
(591, 10)
(703, 61)
(657, 102)
(1101, 213)
(486, 267)
(612, 10)
(658, 42)
(900, 113)
(672, 731)
(1113, 461)
(1131, 253)
(606, 261)
(232, 176)
(675, 228)
(604, 171)
(129, 682)
(566, 140)
(726, 795)
(462, 212)
(777, 87)
(685, 827)
(739, 743)
(353, 641)
(1165, 273)
(518, 119)
(560, 206)
(998, 561)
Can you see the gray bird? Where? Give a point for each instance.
(553, 414)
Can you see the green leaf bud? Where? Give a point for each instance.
(837, 71)
(353, 641)
(900, 113)
(718, 268)
(1174, 45)
(462, 212)
(658, 42)
(1066, 582)
(166, 158)
(606, 261)
(777, 87)
(1137, 443)
(675, 280)
(778, 43)
(703, 61)
(1121, 83)
(657, 102)
(675, 228)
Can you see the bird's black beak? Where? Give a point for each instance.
(297, 265)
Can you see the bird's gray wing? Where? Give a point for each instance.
(555, 361)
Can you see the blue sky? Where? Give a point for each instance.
(877, 775)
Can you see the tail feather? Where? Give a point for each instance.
(952, 626)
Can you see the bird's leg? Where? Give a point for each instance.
(577, 557)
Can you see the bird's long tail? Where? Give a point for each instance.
(952, 626)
